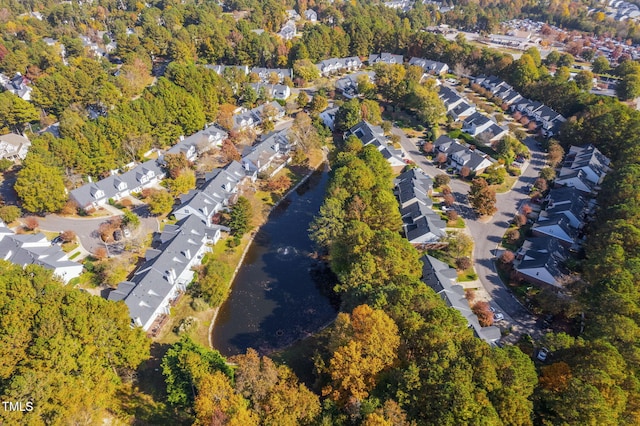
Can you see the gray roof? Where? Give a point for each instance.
(546, 253)
(264, 151)
(28, 249)
(428, 228)
(218, 188)
(199, 140)
(339, 63)
(567, 178)
(429, 65)
(265, 73)
(385, 57)
(557, 226)
(151, 283)
(278, 91)
(134, 178)
(442, 278)
(416, 177)
(374, 135)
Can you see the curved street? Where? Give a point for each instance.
(487, 233)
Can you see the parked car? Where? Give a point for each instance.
(492, 309)
(126, 232)
(56, 240)
(498, 316)
(446, 209)
(543, 354)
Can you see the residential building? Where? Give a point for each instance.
(273, 91)
(115, 187)
(245, 119)
(288, 30)
(14, 147)
(374, 135)
(459, 155)
(483, 128)
(266, 74)
(311, 15)
(576, 179)
(589, 160)
(570, 203)
(403, 5)
(557, 227)
(216, 194)
(348, 85)
(542, 261)
(199, 142)
(270, 155)
(429, 66)
(167, 271)
(328, 117)
(421, 224)
(442, 279)
(293, 14)
(338, 65)
(35, 249)
(17, 85)
(387, 58)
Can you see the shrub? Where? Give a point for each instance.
(441, 180)
(520, 219)
(31, 223)
(198, 304)
(463, 263)
(68, 236)
(512, 235)
(452, 215)
(9, 213)
(485, 316)
(507, 257)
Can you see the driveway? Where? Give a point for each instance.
(487, 233)
(86, 229)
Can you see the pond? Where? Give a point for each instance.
(281, 292)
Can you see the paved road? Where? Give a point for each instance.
(487, 234)
(86, 228)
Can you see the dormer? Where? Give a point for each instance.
(120, 184)
(96, 192)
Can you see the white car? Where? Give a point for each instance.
(446, 209)
(543, 354)
(498, 316)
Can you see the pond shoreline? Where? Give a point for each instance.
(250, 243)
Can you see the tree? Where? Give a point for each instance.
(181, 184)
(130, 219)
(459, 244)
(484, 314)
(68, 236)
(555, 153)
(31, 223)
(584, 80)
(303, 133)
(548, 174)
(448, 200)
(463, 263)
(391, 81)
(9, 213)
(306, 70)
(629, 86)
(229, 151)
(279, 184)
(90, 339)
(370, 111)
(273, 391)
(302, 100)
(41, 188)
(482, 198)
(240, 217)
(175, 163)
(160, 202)
(524, 71)
(512, 235)
(16, 112)
(441, 180)
(184, 365)
(601, 65)
(507, 257)
(218, 403)
(348, 115)
(318, 104)
(495, 174)
(362, 345)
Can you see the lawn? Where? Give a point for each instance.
(506, 186)
(467, 275)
